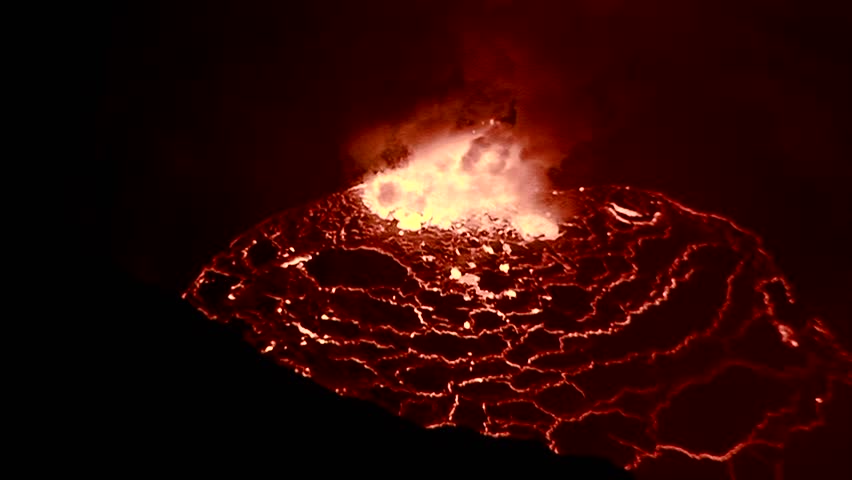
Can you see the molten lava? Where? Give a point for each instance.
(604, 321)
(464, 177)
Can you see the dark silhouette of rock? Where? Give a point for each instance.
(165, 387)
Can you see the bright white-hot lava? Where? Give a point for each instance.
(479, 179)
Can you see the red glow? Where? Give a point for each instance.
(645, 332)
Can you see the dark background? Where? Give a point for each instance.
(200, 119)
(211, 116)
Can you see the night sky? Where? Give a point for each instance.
(211, 116)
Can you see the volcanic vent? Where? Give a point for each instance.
(613, 322)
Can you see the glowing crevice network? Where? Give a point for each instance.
(605, 342)
(644, 331)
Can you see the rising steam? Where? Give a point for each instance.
(477, 178)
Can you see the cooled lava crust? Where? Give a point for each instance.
(645, 333)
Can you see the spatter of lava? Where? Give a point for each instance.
(645, 332)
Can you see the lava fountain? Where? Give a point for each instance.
(457, 290)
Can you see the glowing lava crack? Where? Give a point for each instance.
(642, 331)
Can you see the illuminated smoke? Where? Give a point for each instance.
(464, 151)
(476, 177)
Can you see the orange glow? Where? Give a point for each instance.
(476, 179)
(646, 313)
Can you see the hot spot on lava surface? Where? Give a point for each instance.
(645, 332)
